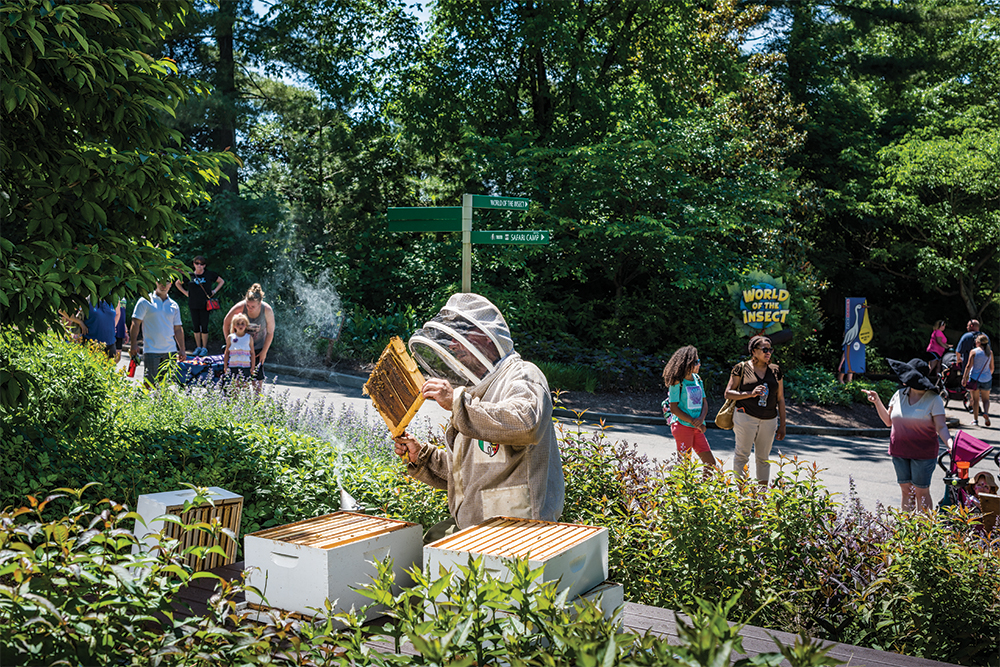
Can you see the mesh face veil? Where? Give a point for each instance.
(464, 342)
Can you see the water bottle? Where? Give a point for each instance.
(762, 399)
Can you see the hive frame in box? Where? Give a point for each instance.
(300, 565)
(575, 554)
(226, 508)
(394, 386)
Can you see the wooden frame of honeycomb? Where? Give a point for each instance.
(394, 386)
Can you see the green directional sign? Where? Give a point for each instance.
(425, 219)
(505, 203)
(531, 237)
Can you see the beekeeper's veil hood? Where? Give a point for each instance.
(464, 342)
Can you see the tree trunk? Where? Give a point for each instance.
(224, 132)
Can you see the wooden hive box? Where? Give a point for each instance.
(227, 511)
(576, 555)
(300, 565)
(394, 386)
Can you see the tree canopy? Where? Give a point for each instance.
(671, 146)
(94, 182)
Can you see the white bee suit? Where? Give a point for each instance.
(501, 456)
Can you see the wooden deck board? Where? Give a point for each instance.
(639, 618)
(636, 618)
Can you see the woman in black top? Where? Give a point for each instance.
(203, 285)
(757, 387)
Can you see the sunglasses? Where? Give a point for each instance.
(199, 263)
(766, 350)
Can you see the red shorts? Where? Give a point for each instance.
(689, 438)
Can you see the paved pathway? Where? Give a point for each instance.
(842, 459)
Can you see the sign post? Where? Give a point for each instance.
(467, 243)
(459, 219)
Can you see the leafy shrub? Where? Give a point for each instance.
(364, 334)
(815, 385)
(921, 584)
(72, 592)
(75, 388)
(895, 581)
(568, 377)
(615, 369)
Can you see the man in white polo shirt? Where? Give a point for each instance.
(163, 335)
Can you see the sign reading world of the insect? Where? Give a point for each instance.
(532, 237)
(505, 203)
(760, 304)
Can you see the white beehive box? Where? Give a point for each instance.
(226, 509)
(609, 597)
(300, 565)
(576, 555)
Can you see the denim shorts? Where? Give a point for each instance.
(986, 385)
(914, 471)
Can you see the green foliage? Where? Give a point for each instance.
(816, 385)
(939, 191)
(790, 556)
(568, 377)
(93, 177)
(365, 334)
(286, 459)
(911, 606)
(71, 590)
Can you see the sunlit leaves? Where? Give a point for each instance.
(93, 179)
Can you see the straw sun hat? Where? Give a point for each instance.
(990, 481)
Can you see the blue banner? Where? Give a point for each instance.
(857, 332)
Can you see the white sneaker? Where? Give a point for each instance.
(975, 422)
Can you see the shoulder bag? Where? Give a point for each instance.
(210, 303)
(724, 419)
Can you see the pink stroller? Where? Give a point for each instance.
(967, 449)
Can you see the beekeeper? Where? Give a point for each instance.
(501, 457)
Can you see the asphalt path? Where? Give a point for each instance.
(842, 461)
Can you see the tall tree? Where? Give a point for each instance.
(879, 78)
(654, 149)
(210, 49)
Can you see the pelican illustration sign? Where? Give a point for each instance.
(760, 304)
(857, 334)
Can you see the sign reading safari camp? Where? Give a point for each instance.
(760, 304)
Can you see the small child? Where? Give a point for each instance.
(983, 483)
(686, 407)
(240, 360)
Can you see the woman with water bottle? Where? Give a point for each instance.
(757, 387)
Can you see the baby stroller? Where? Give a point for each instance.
(966, 449)
(949, 381)
(203, 371)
